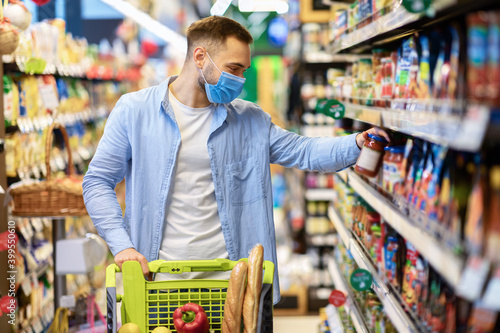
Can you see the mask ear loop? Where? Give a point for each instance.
(213, 62)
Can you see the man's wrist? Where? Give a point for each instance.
(359, 136)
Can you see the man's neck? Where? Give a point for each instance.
(185, 88)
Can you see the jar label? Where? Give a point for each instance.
(368, 159)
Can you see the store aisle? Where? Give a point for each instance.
(309, 324)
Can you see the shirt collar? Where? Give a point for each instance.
(220, 114)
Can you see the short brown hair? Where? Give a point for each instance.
(212, 32)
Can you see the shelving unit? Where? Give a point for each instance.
(350, 305)
(398, 22)
(392, 305)
(442, 259)
(459, 132)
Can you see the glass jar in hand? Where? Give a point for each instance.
(370, 159)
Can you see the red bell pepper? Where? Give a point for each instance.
(191, 318)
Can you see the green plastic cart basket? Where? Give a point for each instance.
(150, 304)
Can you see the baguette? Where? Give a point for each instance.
(234, 299)
(254, 287)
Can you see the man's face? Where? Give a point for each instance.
(233, 57)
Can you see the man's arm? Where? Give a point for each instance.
(316, 154)
(107, 168)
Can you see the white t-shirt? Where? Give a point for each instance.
(192, 227)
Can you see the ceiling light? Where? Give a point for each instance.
(279, 6)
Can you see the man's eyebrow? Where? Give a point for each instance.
(237, 64)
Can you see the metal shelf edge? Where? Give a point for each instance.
(463, 133)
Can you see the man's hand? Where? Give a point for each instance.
(132, 255)
(362, 137)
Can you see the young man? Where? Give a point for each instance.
(196, 160)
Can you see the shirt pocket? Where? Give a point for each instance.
(245, 182)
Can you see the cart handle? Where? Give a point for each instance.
(178, 267)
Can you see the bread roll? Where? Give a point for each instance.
(254, 287)
(234, 299)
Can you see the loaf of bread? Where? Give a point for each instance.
(234, 299)
(254, 287)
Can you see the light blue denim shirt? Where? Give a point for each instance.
(141, 141)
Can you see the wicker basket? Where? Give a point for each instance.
(51, 197)
(9, 37)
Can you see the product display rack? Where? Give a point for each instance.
(351, 306)
(398, 22)
(464, 133)
(402, 320)
(447, 263)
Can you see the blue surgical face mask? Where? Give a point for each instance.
(227, 88)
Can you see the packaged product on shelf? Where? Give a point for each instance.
(415, 279)
(10, 100)
(475, 228)
(456, 81)
(394, 256)
(424, 77)
(434, 186)
(477, 42)
(410, 68)
(393, 175)
(388, 77)
(341, 22)
(494, 57)
(353, 12)
(493, 214)
(422, 178)
(365, 9)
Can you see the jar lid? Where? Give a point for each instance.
(398, 149)
(377, 138)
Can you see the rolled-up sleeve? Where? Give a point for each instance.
(313, 154)
(107, 168)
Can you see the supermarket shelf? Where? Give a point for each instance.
(176, 40)
(398, 23)
(38, 272)
(392, 306)
(390, 23)
(42, 321)
(319, 194)
(448, 264)
(350, 305)
(331, 59)
(459, 132)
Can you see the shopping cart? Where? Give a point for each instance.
(150, 304)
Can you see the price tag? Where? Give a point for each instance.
(361, 280)
(337, 298)
(416, 6)
(491, 299)
(333, 108)
(473, 278)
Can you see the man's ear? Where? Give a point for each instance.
(199, 55)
